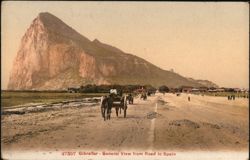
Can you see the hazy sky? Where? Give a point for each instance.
(206, 40)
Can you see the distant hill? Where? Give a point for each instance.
(52, 55)
(206, 83)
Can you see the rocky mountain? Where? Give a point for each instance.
(52, 55)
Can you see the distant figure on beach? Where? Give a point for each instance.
(188, 98)
(233, 96)
(229, 97)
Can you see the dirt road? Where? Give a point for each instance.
(161, 122)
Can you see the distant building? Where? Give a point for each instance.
(220, 90)
(212, 90)
(244, 90)
(186, 89)
(195, 90)
(237, 89)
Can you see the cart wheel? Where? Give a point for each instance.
(116, 111)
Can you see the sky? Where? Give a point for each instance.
(202, 40)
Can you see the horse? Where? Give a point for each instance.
(106, 106)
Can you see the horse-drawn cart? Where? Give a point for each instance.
(118, 102)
